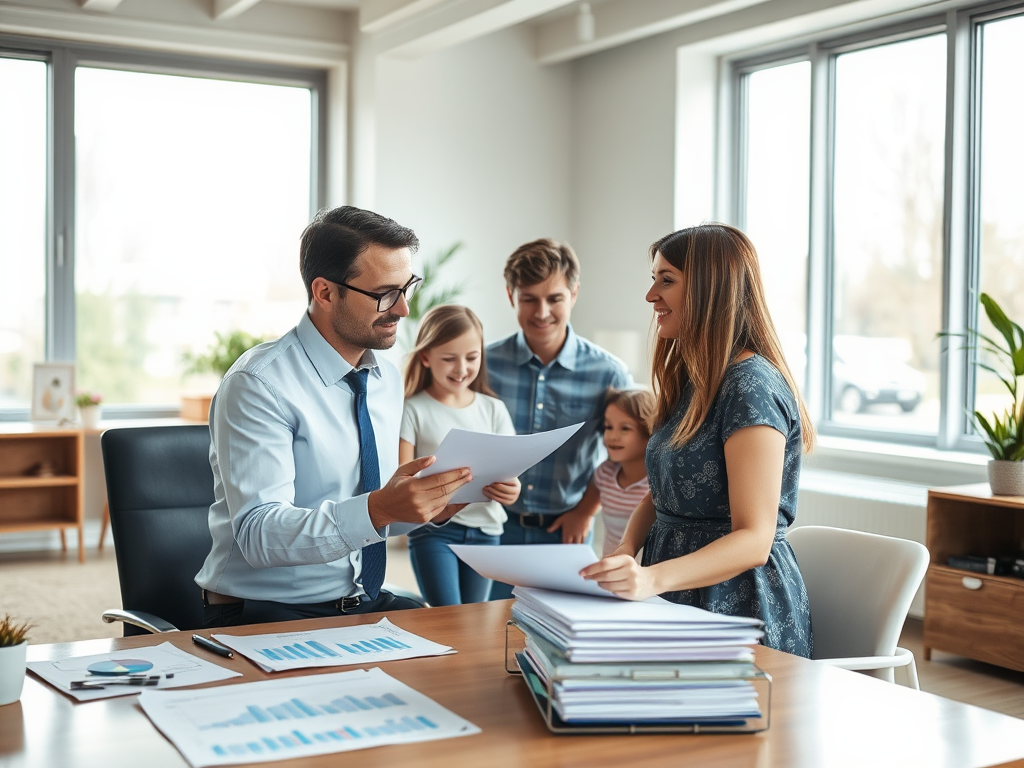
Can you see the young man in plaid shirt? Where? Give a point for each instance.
(549, 377)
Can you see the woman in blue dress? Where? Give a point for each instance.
(724, 456)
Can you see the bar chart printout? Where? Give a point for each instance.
(298, 717)
(336, 646)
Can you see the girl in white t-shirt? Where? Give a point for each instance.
(621, 481)
(446, 388)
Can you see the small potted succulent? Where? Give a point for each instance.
(89, 408)
(1003, 433)
(13, 648)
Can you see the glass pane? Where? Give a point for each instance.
(1002, 194)
(777, 202)
(191, 196)
(889, 134)
(22, 227)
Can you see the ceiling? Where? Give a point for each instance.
(564, 29)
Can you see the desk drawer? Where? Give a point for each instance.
(983, 622)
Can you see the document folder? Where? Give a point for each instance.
(544, 696)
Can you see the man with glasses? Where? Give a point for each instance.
(305, 436)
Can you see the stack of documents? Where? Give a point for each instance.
(603, 660)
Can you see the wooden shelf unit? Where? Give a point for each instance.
(976, 615)
(29, 503)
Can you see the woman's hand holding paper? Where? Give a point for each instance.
(622, 575)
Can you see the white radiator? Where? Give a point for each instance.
(870, 504)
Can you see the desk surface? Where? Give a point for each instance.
(820, 716)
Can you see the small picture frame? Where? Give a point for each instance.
(53, 392)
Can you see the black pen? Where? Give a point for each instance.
(103, 682)
(213, 645)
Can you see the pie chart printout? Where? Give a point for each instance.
(116, 667)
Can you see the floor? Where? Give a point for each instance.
(64, 600)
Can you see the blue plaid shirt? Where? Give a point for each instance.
(568, 390)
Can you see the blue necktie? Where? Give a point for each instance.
(375, 556)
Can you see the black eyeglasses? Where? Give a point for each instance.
(387, 299)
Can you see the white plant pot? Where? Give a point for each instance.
(89, 415)
(1006, 478)
(12, 672)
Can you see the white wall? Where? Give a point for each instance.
(623, 180)
(472, 145)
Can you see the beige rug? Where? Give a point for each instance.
(60, 596)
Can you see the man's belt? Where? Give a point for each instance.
(534, 519)
(345, 604)
(215, 598)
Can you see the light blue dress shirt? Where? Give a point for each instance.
(287, 524)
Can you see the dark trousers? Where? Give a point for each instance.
(265, 611)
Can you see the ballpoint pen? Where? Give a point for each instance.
(213, 645)
(103, 682)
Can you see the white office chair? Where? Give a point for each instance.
(860, 587)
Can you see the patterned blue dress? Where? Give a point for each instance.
(690, 492)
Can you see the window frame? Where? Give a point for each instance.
(960, 215)
(63, 59)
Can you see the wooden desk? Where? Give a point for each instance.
(821, 716)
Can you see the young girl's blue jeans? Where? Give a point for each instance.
(443, 578)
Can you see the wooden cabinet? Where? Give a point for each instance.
(976, 615)
(30, 501)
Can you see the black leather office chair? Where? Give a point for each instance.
(159, 491)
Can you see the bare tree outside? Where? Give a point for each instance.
(890, 125)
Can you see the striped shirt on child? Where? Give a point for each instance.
(617, 503)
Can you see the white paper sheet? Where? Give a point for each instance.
(579, 613)
(165, 658)
(333, 647)
(297, 717)
(544, 566)
(493, 458)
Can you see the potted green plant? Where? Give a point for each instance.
(89, 408)
(1003, 433)
(13, 649)
(217, 359)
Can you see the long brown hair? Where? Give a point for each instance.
(724, 312)
(439, 326)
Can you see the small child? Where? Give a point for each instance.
(446, 388)
(622, 479)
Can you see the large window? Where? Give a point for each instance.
(1001, 182)
(23, 92)
(775, 200)
(897, 222)
(191, 194)
(167, 210)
